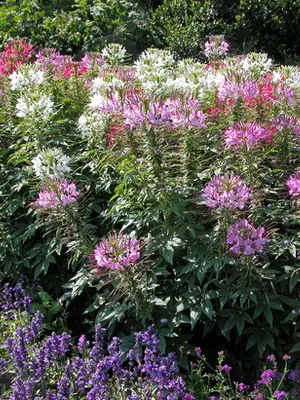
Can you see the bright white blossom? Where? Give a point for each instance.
(291, 76)
(26, 77)
(114, 54)
(101, 86)
(36, 106)
(257, 64)
(51, 163)
(92, 123)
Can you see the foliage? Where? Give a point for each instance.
(265, 26)
(207, 380)
(77, 26)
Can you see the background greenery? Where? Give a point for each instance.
(75, 26)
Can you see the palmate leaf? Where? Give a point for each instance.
(261, 338)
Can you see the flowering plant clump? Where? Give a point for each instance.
(140, 140)
(227, 191)
(53, 368)
(17, 53)
(57, 193)
(217, 381)
(245, 239)
(51, 163)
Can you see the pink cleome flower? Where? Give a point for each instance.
(216, 46)
(245, 239)
(58, 193)
(227, 191)
(175, 113)
(247, 134)
(17, 52)
(116, 253)
(293, 183)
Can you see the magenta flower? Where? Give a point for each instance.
(58, 192)
(271, 358)
(267, 376)
(133, 113)
(159, 114)
(226, 369)
(117, 252)
(247, 134)
(293, 183)
(227, 191)
(279, 394)
(287, 122)
(176, 114)
(245, 239)
(242, 387)
(47, 199)
(229, 90)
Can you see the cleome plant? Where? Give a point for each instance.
(160, 192)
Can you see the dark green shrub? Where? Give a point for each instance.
(264, 25)
(79, 25)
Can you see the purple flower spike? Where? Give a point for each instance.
(245, 239)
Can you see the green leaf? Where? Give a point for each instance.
(168, 253)
(295, 348)
(195, 316)
(295, 278)
(269, 315)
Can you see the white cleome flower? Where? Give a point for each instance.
(92, 124)
(26, 77)
(51, 163)
(258, 64)
(36, 106)
(114, 54)
(291, 75)
(100, 86)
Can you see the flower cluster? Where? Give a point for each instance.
(293, 184)
(216, 47)
(15, 54)
(250, 135)
(245, 239)
(268, 386)
(38, 106)
(57, 193)
(227, 191)
(117, 252)
(26, 77)
(53, 369)
(51, 164)
(14, 297)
